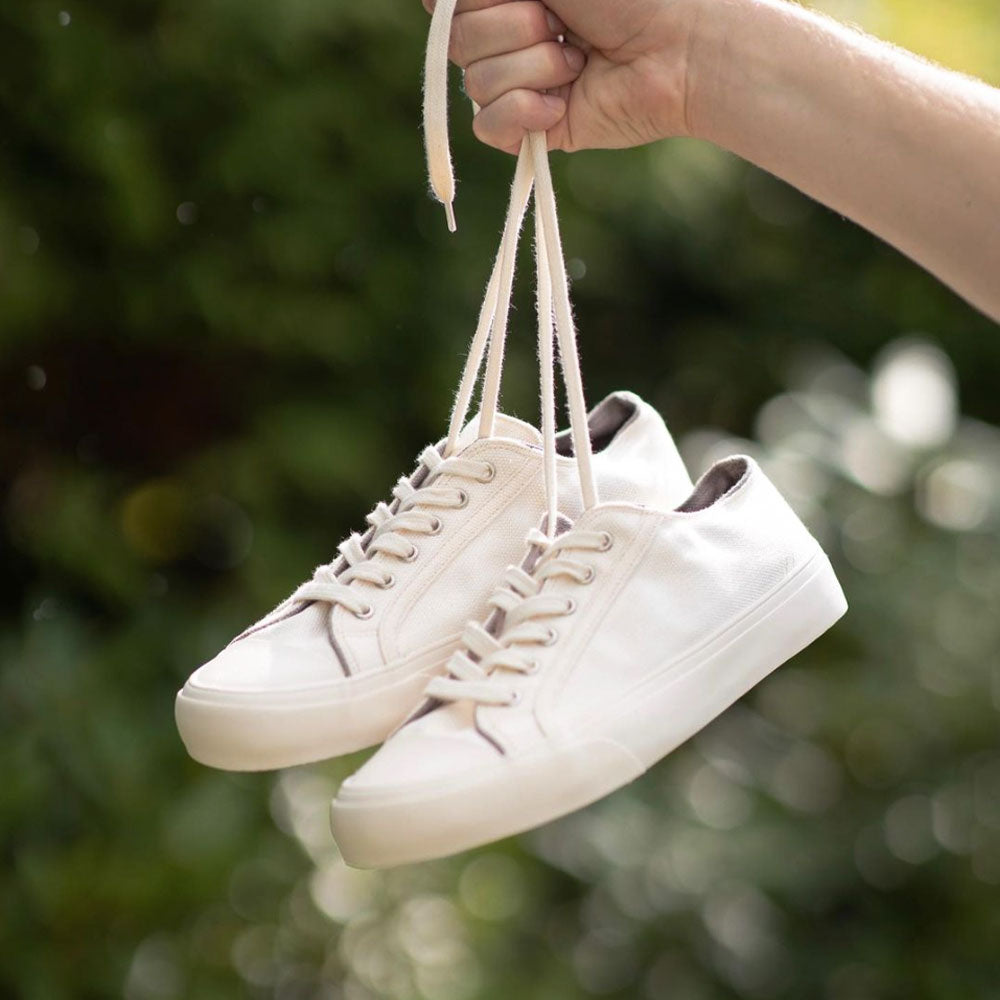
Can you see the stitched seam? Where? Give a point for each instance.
(334, 645)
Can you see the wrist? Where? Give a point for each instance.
(709, 57)
(664, 62)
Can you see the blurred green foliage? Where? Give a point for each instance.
(229, 317)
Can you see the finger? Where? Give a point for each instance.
(503, 123)
(498, 30)
(542, 67)
(464, 6)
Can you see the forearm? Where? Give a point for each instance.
(906, 149)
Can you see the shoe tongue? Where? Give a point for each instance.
(563, 524)
(503, 426)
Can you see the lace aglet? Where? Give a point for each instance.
(449, 211)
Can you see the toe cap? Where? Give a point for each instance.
(440, 749)
(270, 663)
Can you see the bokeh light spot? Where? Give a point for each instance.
(958, 494)
(492, 887)
(913, 394)
(908, 832)
(187, 213)
(156, 519)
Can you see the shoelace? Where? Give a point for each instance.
(388, 524)
(552, 281)
(520, 605)
(388, 528)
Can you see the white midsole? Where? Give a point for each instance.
(521, 794)
(247, 734)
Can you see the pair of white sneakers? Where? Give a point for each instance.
(605, 647)
(518, 662)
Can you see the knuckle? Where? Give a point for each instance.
(520, 102)
(554, 60)
(458, 42)
(531, 26)
(480, 128)
(474, 83)
(485, 129)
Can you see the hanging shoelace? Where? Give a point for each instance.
(533, 158)
(389, 524)
(520, 605)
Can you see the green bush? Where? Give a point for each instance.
(230, 316)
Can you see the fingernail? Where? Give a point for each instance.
(575, 59)
(553, 102)
(555, 25)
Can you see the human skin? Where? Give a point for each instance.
(907, 149)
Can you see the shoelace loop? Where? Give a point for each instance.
(389, 527)
(476, 671)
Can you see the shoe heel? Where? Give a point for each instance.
(820, 602)
(693, 693)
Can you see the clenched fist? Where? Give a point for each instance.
(590, 73)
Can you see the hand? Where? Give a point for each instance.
(620, 78)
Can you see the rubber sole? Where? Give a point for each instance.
(245, 734)
(381, 830)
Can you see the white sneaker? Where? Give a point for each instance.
(340, 664)
(615, 642)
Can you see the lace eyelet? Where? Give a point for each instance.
(515, 699)
(436, 526)
(365, 614)
(463, 499)
(570, 606)
(411, 556)
(588, 576)
(388, 582)
(552, 638)
(531, 668)
(491, 471)
(606, 541)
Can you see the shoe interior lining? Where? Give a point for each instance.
(607, 420)
(716, 483)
